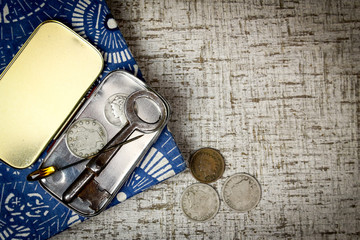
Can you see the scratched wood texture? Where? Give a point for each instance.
(274, 85)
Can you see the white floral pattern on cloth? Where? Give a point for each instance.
(8, 231)
(26, 210)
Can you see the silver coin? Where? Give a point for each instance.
(200, 202)
(114, 110)
(241, 192)
(86, 137)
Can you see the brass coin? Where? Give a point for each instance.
(207, 165)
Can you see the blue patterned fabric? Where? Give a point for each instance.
(26, 210)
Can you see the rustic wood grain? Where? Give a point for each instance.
(274, 85)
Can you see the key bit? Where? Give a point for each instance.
(94, 195)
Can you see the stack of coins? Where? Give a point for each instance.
(200, 202)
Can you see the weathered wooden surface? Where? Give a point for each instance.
(274, 85)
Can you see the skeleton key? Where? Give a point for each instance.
(135, 122)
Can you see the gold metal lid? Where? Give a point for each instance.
(41, 88)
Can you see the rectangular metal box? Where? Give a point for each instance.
(102, 118)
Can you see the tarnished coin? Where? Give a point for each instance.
(241, 192)
(200, 202)
(86, 137)
(207, 165)
(114, 110)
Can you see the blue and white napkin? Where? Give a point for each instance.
(26, 210)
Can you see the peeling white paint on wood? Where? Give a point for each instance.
(274, 85)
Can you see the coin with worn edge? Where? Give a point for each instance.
(241, 192)
(207, 165)
(114, 110)
(200, 202)
(86, 137)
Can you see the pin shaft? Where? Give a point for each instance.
(47, 171)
